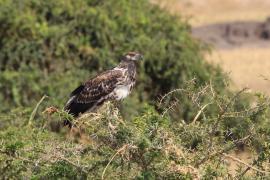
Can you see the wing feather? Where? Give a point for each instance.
(100, 86)
(94, 91)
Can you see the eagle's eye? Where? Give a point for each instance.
(133, 56)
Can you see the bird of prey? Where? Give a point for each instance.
(114, 84)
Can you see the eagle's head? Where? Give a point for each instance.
(132, 56)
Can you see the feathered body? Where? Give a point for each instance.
(114, 84)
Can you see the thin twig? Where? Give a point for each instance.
(35, 110)
(221, 114)
(210, 156)
(223, 111)
(241, 174)
(246, 164)
(199, 113)
(171, 92)
(212, 90)
(118, 151)
(171, 107)
(73, 164)
(196, 96)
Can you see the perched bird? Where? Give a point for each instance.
(114, 84)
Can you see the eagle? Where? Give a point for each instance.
(114, 84)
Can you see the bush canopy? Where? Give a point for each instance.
(181, 121)
(50, 47)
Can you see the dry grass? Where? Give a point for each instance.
(246, 156)
(203, 12)
(248, 67)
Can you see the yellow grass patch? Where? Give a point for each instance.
(204, 12)
(248, 67)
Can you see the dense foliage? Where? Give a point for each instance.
(49, 47)
(181, 121)
(151, 146)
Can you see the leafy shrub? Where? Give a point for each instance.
(150, 146)
(49, 47)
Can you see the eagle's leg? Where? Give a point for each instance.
(116, 104)
(67, 123)
(95, 107)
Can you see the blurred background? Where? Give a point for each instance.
(184, 112)
(239, 32)
(43, 44)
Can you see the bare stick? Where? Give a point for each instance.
(200, 112)
(170, 108)
(214, 154)
(34, 112)
(118, 151)
(223, 111)
(73, 164)
(171, 92)
(246, 164)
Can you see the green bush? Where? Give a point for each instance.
(150, 146)
(49, 47)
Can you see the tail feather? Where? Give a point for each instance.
(75, 109)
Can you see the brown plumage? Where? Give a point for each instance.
(114, 84)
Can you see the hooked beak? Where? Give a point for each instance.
(140, 57)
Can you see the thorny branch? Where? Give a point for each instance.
(217, 153)
(223, 111)
(123, 148)
(246, 164)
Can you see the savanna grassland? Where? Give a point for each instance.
(182, 121)
(247, 65)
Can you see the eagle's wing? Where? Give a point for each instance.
(94, 92)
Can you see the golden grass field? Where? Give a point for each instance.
(202, 12)
(247, 66)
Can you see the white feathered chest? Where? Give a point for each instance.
(121, 92)
(123, 89)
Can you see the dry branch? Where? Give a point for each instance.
(244, 163)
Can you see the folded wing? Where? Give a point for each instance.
(94, 92)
